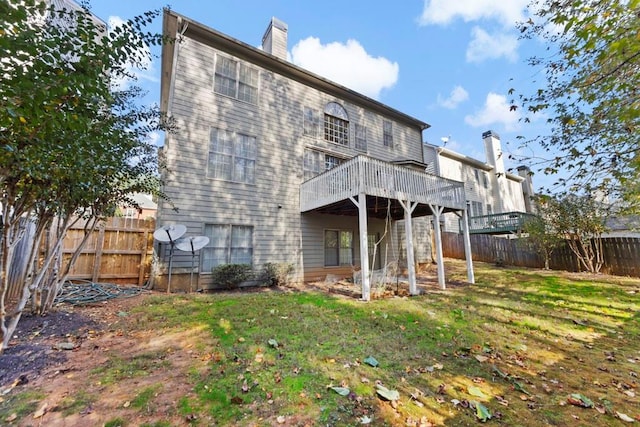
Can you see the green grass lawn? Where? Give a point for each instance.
(518, 348)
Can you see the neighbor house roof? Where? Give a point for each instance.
(175, 24)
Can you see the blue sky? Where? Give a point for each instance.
(450, 63)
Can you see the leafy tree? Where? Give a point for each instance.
(73, 144)
(541, 238)
(590, 93)
(578, 220)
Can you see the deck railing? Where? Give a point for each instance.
(378, 178)
(502, 223)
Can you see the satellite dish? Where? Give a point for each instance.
(192, 244)
(169, 233)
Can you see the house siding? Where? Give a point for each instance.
(271, 205)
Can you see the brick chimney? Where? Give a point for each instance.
(274, 40)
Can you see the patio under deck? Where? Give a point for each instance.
(363, 186)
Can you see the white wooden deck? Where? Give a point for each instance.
(373, 177)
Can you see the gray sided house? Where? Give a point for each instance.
(278, 165)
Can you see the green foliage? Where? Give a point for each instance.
(577, 220)
(231, 275)
(75, 141)
(115, 422)
(541, 238)
(589, 94)
(276, 274)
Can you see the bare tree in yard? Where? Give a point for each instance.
(588, 94)
(580, 221)
(73, 145)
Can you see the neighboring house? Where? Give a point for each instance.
(499, 201)
(146, 207)
(276, 164)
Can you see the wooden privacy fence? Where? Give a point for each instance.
(118, 251)
(621, 254)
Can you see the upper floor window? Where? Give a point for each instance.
(485, 180)
(336, 124)
(310, 122)
(316, 162)
(387, 133)
(361, 137)
(232, 156)
(235, 79)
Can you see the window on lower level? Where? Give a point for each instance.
(338, 248)
(316, 162)
(232, 156)
(228, 244)
(235, 79)
(387, 133)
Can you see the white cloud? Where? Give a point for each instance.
(347, 64)
(443, 12)
(496, 110)
(491, 46)
(457, 96)
(146, 70)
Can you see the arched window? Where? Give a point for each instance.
(336, 123)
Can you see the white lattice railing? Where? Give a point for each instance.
(377, 178)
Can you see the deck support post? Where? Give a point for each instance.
(409, 207)
(437, 212)
(361, 203)
(467, 245)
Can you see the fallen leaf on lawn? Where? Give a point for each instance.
(371, 361)
(482, 412)
(41, 411)
(601, 409)
(501, 400)
(364, 380)
(365, 420)
(440, 399)
(386, 393)
(581, 400)
(259, 357)
(438, 366)
(480, 358)
(475, 391)
(245, 387)
(546, 388)
(126, 404)
(281, 419)
(240, 339)
(273, 343)
(237, 400)
(441, 388)
(624, 417)
(11, 417)
(630, 393)
(342, 391)
(455, 402)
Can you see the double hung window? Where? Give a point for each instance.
(235, 79)
(228, 244)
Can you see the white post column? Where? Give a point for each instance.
(364, 244)
(467, 245)
(437, 211)
(409, 207)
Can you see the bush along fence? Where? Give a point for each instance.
(621, 254)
